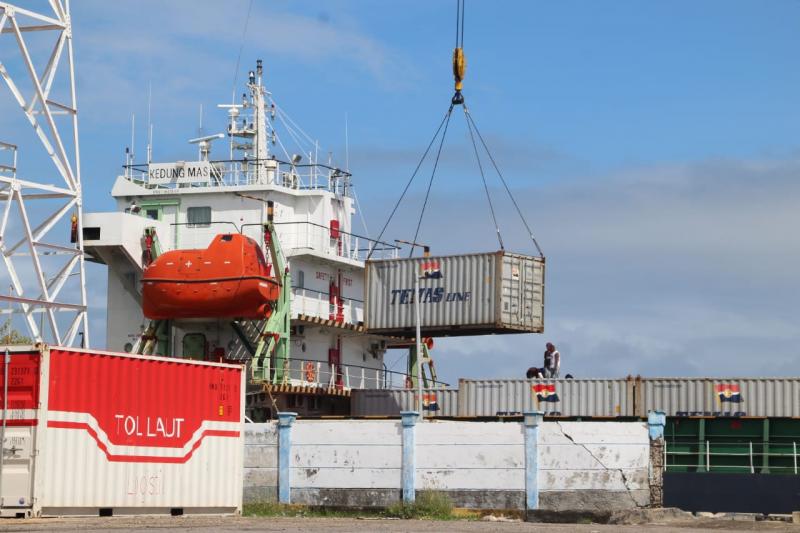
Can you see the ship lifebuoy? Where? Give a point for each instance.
(311, 374)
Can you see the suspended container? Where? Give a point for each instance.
(555, 397)
(389, 402)
(90, 433)
(773, 397)
(475, 294)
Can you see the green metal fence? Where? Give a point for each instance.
(734, 445)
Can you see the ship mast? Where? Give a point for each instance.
(258, 92)
(252, 129)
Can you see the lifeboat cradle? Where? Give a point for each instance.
(265, 341)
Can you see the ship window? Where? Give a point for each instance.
(152, 212)
(301, 279)
(198, 217)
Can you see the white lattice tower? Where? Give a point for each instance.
(41, 235)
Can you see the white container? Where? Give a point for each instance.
(106, 433)
(555, 397)
(476, 294)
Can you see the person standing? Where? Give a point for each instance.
(552, 361)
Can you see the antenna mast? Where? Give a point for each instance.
(41, 230)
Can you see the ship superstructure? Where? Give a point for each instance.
(187, 204)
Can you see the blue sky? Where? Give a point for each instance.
(654, 147)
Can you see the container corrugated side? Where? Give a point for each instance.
(143, 434)
(471, 294)
(555, 397)
(389, 402)
(776, 397)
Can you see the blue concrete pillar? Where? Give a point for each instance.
(285, 421)
(656, 420)
(531, 421)
(409, 465)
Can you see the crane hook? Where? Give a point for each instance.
(459, 72)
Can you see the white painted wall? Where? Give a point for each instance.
(346, 454)
(470, 456)
(260, 462)
(579, 462)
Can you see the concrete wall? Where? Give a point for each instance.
(479, 464)
(581, 465)
(345, 462)
(260, 463)
(593, 465)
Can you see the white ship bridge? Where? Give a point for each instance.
(187, 203)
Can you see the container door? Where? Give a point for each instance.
(18, 432)
(528, 285)
(17, 469)
(511, 284)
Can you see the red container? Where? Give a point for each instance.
(98, 430)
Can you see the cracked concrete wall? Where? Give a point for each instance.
(594, 465)
(357, 463)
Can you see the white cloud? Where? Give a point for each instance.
(670, 270)
(183, 47)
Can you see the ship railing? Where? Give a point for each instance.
(326, 375)
(304, 235)
(318, 303)
(239, 172)
(750, 453)
(295, 237)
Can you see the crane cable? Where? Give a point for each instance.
(413, 175)
(483, 177)
(433, 173)
(503, 180)
(459, 73)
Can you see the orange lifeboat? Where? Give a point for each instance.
(229, 279)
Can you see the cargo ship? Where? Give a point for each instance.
(188, 266)
(252, 258)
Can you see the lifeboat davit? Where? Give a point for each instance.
(229, 279)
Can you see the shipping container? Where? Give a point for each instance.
(389, 402)
(89, 432)
(554, 397)
(476, 294)
(775, 397)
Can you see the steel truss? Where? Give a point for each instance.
(44, 252)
